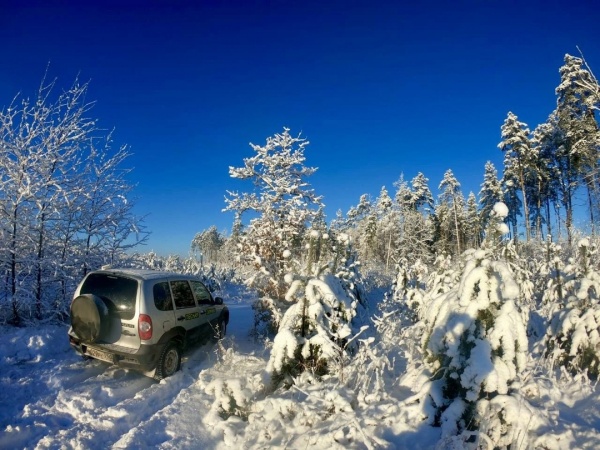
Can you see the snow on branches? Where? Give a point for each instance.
(283, 204)
(573, 337)
(319, 328)
(476, 345)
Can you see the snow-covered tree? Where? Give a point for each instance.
(490, 194)
(476, 346)
(578, 122)
(53, 155)
(573, 337)
(358, 213)
(588, 83)
(519, 161)
(282, 205)
(450, 213)
(556, 181)
(107, 218)
(542, 194)
(415, 204)
(422, 197)
(208, 243)
(318, 329)
(388, 228)
(472, 222)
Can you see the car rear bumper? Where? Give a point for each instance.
(144, 358)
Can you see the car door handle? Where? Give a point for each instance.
(180, 318)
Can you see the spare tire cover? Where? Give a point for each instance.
(89, 317)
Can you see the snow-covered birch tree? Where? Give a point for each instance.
(47, 146)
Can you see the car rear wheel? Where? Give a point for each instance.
(169, 361)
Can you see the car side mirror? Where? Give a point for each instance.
(218, 301)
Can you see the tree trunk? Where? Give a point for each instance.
(456, 228)
(525, 207)
(548, 219)
(590, 183)
(13, 267)
(40, 254)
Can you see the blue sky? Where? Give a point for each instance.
(380, 89)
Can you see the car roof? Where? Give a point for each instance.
(145, 274)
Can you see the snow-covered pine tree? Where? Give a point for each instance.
(476, 344)
(550, 139)
(555, 277)
(409, 288)
(415, 207)
(450, 215)
(589, 83)
(207, 244)
(422, 197)
(444, 276)
(317, 332)
(490, 194)
(543, 139)
(519, 161)
(472, 223)
(573, 337)
(357, 214)
(388, 229)
(577, 120)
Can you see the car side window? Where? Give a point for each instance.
(202, 295)
(182, 293)
(162, 296)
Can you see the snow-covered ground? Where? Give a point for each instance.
(51, 398)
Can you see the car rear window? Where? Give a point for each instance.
(162, 296)
(118, 293)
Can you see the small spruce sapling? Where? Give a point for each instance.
(319, 325)
(475, 345)
(573, 338)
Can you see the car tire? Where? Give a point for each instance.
(169, 361)
(221, 330)
(89, 317)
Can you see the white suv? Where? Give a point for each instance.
(143, 319)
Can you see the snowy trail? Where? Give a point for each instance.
(50, 398)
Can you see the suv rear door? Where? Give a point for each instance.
(119, 294)
(187, 313)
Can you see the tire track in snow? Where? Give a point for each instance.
(107, 408)
(93, 410)
(158, 431)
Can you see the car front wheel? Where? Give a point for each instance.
(220, 330)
